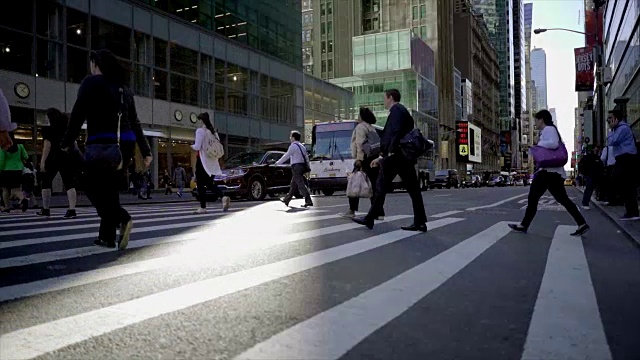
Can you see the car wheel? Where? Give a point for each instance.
(327, 192)
(257, 189)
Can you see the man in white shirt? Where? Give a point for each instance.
(299, 162)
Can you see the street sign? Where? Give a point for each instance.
(464, 150)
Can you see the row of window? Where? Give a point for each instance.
(326, 8)
(417, 16)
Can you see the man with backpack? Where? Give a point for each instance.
(398, 156)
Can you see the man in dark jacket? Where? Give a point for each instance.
(393, 163)
(591, 168)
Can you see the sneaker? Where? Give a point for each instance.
(518, 227)
(348, 214)
(125, 233)
(71, 214)
(581, 230)
(225, 203)
(200, 211)
(627, 217)
(285, 201)
(44, 212)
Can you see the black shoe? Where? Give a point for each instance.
(307, 205)
(414, 227)
(363, 221)
(44, 212)
(518, 227)
(104, 243)
(285, 201)
(25, 205)
(581, 230)
(71, 214)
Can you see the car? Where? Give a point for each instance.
(472, 181)
(445, 178)
(498, 181)
(254, 176)
(519, 182)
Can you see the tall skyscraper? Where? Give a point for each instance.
(519, 58)
(527, 120)
(553, 116)
(539, 76)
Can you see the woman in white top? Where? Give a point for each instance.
(206, 167)
(551, 179)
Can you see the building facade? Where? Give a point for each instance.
(336, 23)
(622, 56)
(238, 61)
(527, 119)
(457, 90)
(539, 76)
(324, 102)
(477, 60)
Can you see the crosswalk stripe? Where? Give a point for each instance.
(181, 261)
(201, 237)
(566, 321)
(93, 218)
(332, 333)
(446, 213)
(60, 333)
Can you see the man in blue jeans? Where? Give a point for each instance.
(298, 156)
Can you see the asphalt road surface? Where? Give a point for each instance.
(265, 281)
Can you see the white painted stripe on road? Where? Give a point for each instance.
(204, 236)
(27, 230)
(566, 321)
(445, 214)
(442, 195)
(497, 203)
(173, 261)
(332, 333)
(74, 329)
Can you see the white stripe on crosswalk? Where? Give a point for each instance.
(204, 236)
(446, 213)
(332, 333)
(144, 214)
(181, 261)
(566, 322)
(58, 334)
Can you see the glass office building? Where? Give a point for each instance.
(238, 60)
(622, 55)
(400, 60)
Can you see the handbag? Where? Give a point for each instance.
(307, 167)
(550, 158)
(371, 145)
(359, 185)
(106, 156)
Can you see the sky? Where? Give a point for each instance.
(559, 47)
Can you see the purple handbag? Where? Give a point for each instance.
(550, 158)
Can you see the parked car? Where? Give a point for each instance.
(253, 176)
(471, 181)
(498, 181)
(445, 178)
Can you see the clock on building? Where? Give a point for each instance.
(178, 115)
(194, 117)
(22, 90)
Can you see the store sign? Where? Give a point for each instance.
(585, 76)
(468, 142)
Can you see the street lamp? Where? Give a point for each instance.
(597, 138)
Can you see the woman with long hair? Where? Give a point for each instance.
(551, 179)
(207, 166)
(362, 161)
(55, 161)
(113, 129)
(11, 165)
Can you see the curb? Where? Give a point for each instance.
(619, 224)
(187, 197)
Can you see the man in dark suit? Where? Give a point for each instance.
(393, 163)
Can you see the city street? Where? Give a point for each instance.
(265, 281)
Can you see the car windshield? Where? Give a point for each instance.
(332, 145)
(442, 173)
(244, 159)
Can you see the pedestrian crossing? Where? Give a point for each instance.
(248, 269)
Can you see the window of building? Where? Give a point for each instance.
(220, 72)
(324, 66)
(423, 11)
(323, 28)
(184, 89)
(49, 62)
(423, 32)
(19, 16)
(414, 13)
(77, 28)
(183, 60)
(49, 21)
(307, 54)
(306, 5)
(77, 64)
(323, 9)
(220, 92)
(141, 80)
(330, 27)
(330, 46)
(330, 65)
(329, 8)
(15, 51)
(323, 47)
(237, 78)
(160, 53)
(160, 89)
(107, 35)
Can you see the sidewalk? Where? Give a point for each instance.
(157, 197)
(631, 228)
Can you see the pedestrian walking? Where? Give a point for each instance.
(11, 165)
(166, 180)
(623, 146)
(180, 178)
(6, 125)
(209, 151)
(299, 160)
(365, 147)
(54, 161)
(608, 191)
(393, 162)
(591, 168)
(113, 129)
(549, 178)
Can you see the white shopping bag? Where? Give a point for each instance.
(359, 186)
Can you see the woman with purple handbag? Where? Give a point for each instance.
(550, 155)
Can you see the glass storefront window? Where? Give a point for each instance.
(49, 59)
(220, 98)
(49, 21)
(15, 51)
(142, 80)
(237, 101)
(107, 35)
(77, 64)
(221, 71)
(237, 78)
(142, 49)
(160, 53)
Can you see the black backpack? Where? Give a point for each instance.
(414, 144)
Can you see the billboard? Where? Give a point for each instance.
(468, 142)
(585, 76)
(593, 26)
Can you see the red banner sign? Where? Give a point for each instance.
(584, 68)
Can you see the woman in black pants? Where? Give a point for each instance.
(363, 162)
(551, 179)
